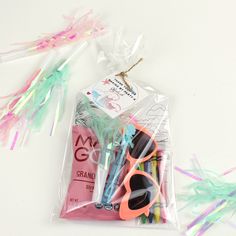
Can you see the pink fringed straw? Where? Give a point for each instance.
(9, 121)
(78, 29)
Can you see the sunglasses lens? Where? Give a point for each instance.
(143, 145)
(142, 193)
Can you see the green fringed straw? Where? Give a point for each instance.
(27, 109)
(208, 188)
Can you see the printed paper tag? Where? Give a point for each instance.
(113, 97)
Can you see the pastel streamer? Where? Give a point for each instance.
(77, 30)
(27, 109)
(208, 188)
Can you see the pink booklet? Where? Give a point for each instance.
(78, 203)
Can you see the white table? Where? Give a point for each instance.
(191, 57)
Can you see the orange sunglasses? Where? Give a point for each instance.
(141, 188)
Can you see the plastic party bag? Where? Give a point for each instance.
(118, 165)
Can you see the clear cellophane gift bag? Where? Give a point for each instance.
(118, 160)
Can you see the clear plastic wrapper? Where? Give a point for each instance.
(118, 164)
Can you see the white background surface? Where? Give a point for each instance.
(191, 57)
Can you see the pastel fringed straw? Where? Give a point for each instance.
(77, 30)
(212, 189)
(27, 109)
